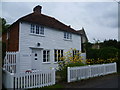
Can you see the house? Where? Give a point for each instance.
(37, 38)
(84, 39)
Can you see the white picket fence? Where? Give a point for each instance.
(10, 62)
(84, 72)
(34, 79)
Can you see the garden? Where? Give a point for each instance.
(94, 56)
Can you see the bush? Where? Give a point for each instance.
(108, 52)
(100, 61)
(118, 62)
(92, 53)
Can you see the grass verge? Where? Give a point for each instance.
(50, 87)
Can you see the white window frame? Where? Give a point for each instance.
(74, 52)
(37, 30)
(32, 28)
(47, 56)
(67, 36)
(56, 56)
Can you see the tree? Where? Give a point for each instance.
(3, 30)
(109, 43)
(4, 24)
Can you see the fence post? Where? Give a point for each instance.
(53, 71)
(115, 66)
(17, 62)
(89, 70)
(104, 69)
(68, 74)
(12, 80)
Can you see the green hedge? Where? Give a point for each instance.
(103, 53)
(108, 52)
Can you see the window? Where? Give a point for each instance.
(70, 36)
(42, 30)
(64, 34)
(32, 28)
(67, 35)
(37, 29)
(75, 52)
(46, 55)
(58, 54)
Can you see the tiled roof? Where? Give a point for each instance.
(48, 21)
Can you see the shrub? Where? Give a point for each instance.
(100, 61)
(92, 53)
(108, 52)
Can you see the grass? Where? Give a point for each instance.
(50, 87)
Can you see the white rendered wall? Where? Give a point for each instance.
(53, 39)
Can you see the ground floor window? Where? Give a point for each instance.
(58, 53)
(75, 52)
(46, 55)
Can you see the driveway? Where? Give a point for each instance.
(107, 81)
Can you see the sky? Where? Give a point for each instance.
(99, 19)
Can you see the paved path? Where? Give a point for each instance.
(107, 81)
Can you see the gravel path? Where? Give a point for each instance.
(107, 81)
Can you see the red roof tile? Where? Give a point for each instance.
(44, 20)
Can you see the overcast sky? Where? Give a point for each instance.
(99, 19)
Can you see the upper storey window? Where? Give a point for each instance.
(32, 28)
(67, 35)
(37, 29)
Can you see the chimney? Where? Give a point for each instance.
(37, 9)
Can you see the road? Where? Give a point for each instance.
(107, 81)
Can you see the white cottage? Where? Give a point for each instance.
(35, 38)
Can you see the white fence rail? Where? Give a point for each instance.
(28, 80)
(84, 72)
(10, 62)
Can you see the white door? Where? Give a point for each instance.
(36, 57)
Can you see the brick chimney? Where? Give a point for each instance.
(37, 9)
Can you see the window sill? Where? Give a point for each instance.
(45, 62)
(55, 62)
(37, 35)
(68, 40)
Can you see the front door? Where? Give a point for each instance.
(36, 59)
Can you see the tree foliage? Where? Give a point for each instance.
(4, 24)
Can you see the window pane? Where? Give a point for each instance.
(64, 34)
(44, 60)
(55, 55)
(73, 53)
(44, 56)
(37, 29)
(42, 30)
(70, 36)
(61, 53)
(32, 28)
(67, 35)
(44, 52)
(48, 56)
